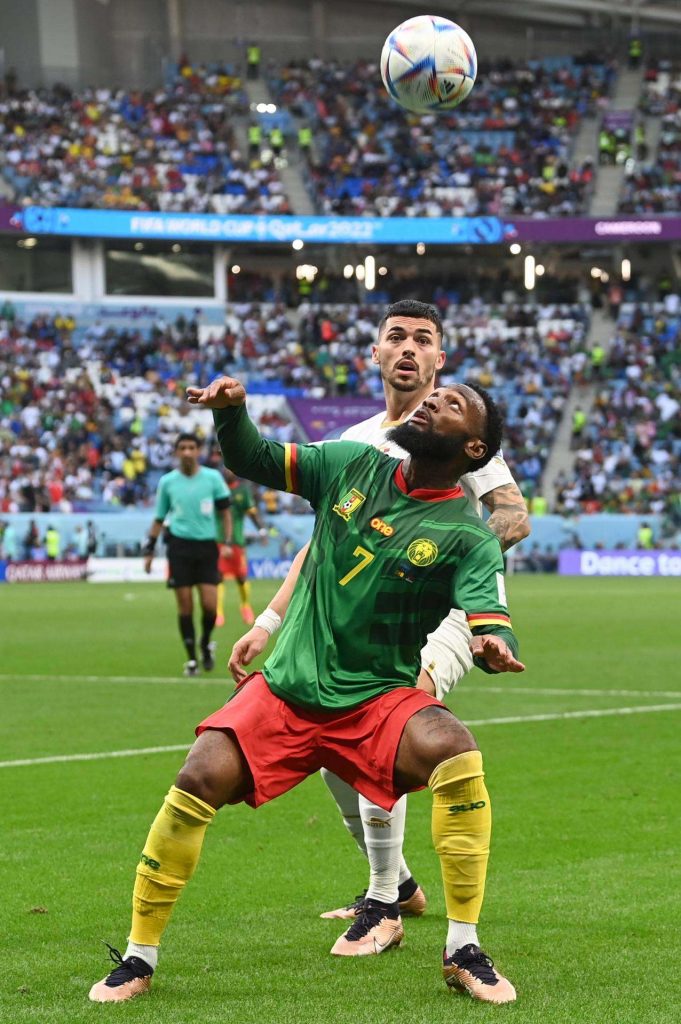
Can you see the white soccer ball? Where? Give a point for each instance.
(428, 63)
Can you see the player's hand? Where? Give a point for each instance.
(248, 647)
(148, 559)
(226, 550)
(495, 652)
(221, 394)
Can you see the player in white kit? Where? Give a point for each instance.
(409, 353)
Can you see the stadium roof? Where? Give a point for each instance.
(575, 13)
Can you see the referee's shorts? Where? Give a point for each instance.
(191, 562)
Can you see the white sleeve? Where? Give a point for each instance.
(446, 656)
(495, 474)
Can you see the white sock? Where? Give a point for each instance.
(459, 934)
(405, 871)
(383, 836)
(147, 953)
(347, 799)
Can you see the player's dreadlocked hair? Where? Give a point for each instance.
(494, 427)
(412, 308)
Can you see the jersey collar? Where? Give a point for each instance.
(427, 493)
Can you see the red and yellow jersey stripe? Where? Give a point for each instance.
(291, 468)
(488, 619)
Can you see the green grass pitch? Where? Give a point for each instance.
(582, 909)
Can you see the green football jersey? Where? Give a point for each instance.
(242, 502)
(384, 567)
(189, 502)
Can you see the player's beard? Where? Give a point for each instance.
(426, 444)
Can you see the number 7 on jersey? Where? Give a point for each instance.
(366, 558)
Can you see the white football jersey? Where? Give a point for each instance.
(495, 474)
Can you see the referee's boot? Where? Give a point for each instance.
(208, 656)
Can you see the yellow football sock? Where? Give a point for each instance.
(221, 601)
(244, 592)
(170, 855)
(462, 824)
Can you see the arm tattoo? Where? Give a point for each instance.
(509, 519)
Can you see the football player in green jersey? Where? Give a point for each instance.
(395, 546)
(409, 352)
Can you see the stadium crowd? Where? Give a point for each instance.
(629, 448)
(173, 149)
(89, 413)
(177, 148)
(653, 185)
(505, 151)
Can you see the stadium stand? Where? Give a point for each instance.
(653, 183)
(174, 149)
(629, 455)
(506, 151)
(89, 413)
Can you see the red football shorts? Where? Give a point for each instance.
(236, 566)
(283, 743)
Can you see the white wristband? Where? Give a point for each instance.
(269, 621)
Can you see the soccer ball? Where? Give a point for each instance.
(428, 63)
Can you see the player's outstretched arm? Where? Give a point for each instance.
(496, 653)
(253, 643)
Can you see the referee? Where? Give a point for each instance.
(187, 499)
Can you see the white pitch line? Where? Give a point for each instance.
(514, 720)
(171, 680)
(558, 716)
(547, 692)
(468, 688)
(60, 758)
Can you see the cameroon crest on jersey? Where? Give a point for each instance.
(349, 504)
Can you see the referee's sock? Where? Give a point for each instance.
(186, 624)
(207, 627)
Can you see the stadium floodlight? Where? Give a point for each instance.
(383, 271)
(369, 273)
(348, 270)
(306, 272)
(605, 276)
(596, 272)
(271, 108)
(27, 243)
(176, 247)
(359, 271)
(236, 269)
(530, 271)
(625, 270)
(539, 269)
(138, 246)
(297, 244)
(420, 248)
(515, 248)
